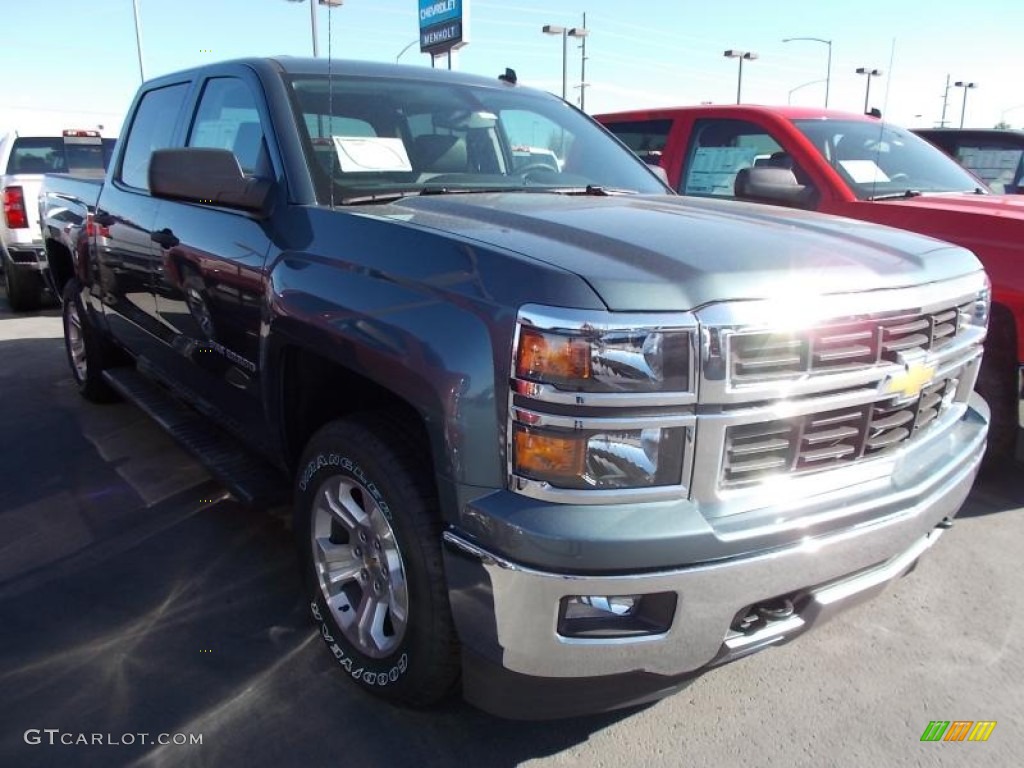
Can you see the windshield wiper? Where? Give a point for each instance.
(592, 190)
(378, 197)
(392, 195)
(897, 195)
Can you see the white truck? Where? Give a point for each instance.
(24, 159)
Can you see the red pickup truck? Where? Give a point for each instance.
(856, 166)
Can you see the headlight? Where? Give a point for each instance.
(596, 459)
(610, 360)
(979, 310)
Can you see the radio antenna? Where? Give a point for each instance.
(330, 92)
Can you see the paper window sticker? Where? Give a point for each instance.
(364, 154)
(864, 171)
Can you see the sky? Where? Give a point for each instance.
(75, 61)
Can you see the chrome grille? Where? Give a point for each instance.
(821, 440)
(841, 346)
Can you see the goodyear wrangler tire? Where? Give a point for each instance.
(369, 536)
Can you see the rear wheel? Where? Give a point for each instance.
(89, 353)
(24, 288)
(369, 536)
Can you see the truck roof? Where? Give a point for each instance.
(791, 113)
(297, 65)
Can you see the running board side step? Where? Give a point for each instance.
(250, 479)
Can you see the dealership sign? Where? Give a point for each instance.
(443, 25)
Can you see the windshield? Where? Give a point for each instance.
(378, 137)
(56, 154)
(880, 160)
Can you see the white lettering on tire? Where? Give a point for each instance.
(381, 679)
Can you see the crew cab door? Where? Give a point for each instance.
(208, 289)
(126, 257)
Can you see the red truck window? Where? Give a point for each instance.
(719, 149)
(647, 138)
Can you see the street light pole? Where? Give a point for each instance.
(963, 108)
(828, 66)
(741, 55)
(312, 19)
(138, 39)
(583, 66)
(789, 98)
(867, 91)
(312, 26)
(410, 45)
(552, 29)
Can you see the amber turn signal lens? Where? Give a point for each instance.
(545, 456)
(549, 357)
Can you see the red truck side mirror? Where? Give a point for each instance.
(205, 175)
(772, 185)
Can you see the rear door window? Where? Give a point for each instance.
(647, 138)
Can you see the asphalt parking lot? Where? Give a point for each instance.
(136, 598)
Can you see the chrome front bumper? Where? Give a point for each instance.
(829, 572)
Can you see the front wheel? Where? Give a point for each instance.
(369, 536)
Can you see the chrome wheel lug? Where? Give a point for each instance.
(376, 545)
(358, 551)
(362, 536)
(363, 575)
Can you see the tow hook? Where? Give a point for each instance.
(758, 616)
(945, 523)
(777, 610)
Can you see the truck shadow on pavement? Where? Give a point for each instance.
(200, 628)
(137, 599)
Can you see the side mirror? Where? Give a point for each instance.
(661, 173)
(204, 175)
(772, 185)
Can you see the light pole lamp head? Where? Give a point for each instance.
(733, 54)
(964, 84)
(869, 72)
(552, 29)
(750, 55)
(578, 32)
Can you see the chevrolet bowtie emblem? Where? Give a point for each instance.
(910, 382)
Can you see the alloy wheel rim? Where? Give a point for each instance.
(359, 566)
(76, 342)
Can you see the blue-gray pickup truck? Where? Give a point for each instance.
(555, 437)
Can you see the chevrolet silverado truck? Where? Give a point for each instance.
(857, 166)
(24, 158)
(556, 438)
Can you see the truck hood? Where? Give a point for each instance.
(644, 253)
(1007, 206)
